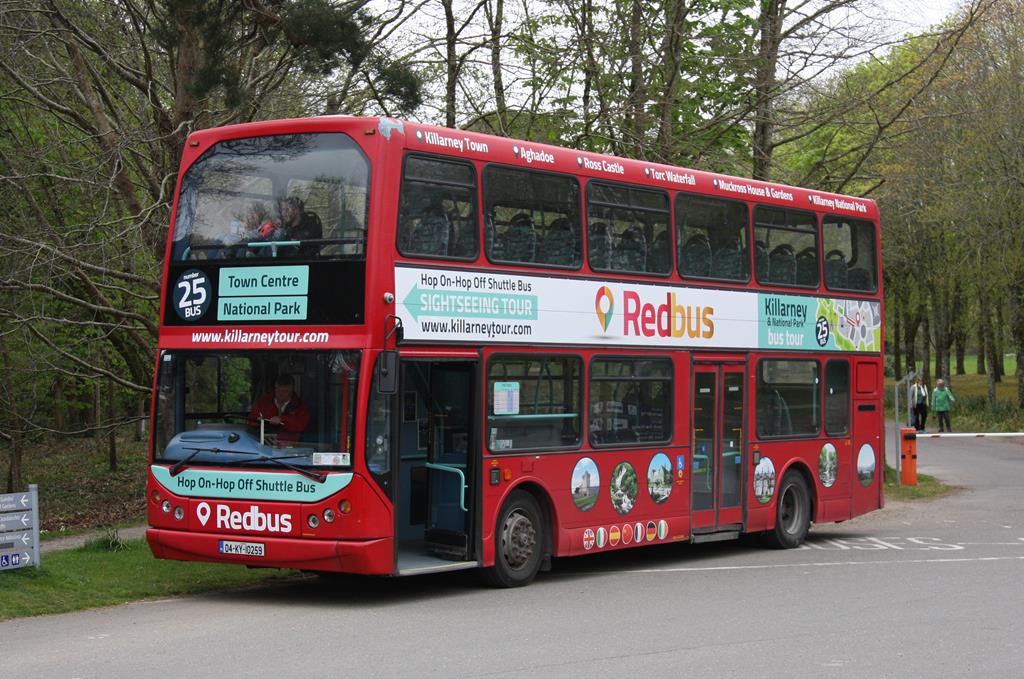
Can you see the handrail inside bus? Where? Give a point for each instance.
(545, 416)
(452, 470)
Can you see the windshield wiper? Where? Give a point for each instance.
(315, 476)
(180, 464)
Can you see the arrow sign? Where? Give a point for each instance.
(15, 540)
(15, 502)
(17, 521)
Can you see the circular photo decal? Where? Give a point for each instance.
(623, 488)
(828, 465)
(659, 478)
(586, 484)
(764, 481)
(866, 465)
(627, 533)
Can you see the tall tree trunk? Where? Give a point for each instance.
(676, 13)
(112, 431)
(10, 406)
(926, 350)
(769, 26)
(1017, 332)
(999, 341)
(984, 328)
(140, 422)
(495, 19)
(97, 415)
(59, 407)
(986, 345)
(912, 320)
(452, 64)
(636, 117)
(897, 354)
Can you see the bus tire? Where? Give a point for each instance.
(518, 542)
(792, 513)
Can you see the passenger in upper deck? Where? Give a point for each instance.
(297, 224)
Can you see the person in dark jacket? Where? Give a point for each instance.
(919, 402)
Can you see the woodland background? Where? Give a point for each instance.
(98, 96)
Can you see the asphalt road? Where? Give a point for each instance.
(929, 589)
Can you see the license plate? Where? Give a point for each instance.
(242, 548)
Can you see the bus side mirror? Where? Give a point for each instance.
(387, 372)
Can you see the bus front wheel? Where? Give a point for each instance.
(518, 542)
(793, 513)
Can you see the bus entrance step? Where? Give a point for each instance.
(715, 537)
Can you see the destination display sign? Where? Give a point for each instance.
(19, 529)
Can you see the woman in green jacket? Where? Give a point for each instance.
(942, 399)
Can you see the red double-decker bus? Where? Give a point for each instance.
(390, 348)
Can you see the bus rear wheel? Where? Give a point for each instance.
(518, 542)
(793, 513)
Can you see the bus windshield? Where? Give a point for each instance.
(295, 196)
(236, 408)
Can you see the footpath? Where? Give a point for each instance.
(75, 541)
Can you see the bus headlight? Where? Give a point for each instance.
(179, 513)
(344, 506)
(166, 506)
(329, 515)
(313, 521)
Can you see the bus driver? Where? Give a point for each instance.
(282, 408)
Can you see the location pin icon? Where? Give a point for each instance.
(604, 313)
(203, 512)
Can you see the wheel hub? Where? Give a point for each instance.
(519, 538)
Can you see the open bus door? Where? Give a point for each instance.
(438, 434)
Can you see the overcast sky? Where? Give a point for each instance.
(918, 15)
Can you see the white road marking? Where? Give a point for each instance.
(821, 564)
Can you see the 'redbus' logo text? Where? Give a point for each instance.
(670, 319)
(251, 520)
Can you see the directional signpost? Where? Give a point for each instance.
(19, 529)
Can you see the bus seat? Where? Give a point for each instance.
(519, 242)
(631, 252)
(860, 279)
(782, 264)
(835, 269)
(599, 245)
(761, 261)
(432, 235)
(807, 267)
(696, 256)
(560, 244)
(659, 259)
(727, 261)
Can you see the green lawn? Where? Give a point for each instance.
(96, 575)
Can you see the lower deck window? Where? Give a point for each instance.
(533, 402)
(787, 398)
(630, 401)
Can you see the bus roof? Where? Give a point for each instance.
(539, 156)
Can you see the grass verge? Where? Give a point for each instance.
(109, 571)
(927, 488)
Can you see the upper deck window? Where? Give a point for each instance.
(785, 247)
(296, 196)
(532, 217)
(437, 214)
(711, 237)
(850, 254)
(627, 229)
